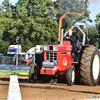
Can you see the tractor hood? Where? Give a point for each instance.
(63, 48)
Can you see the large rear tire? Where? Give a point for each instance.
(33, 73)
(70, 76)
(90, 66)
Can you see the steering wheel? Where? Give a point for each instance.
(65, 39)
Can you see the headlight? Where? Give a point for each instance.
(51, 48)
(55, 48)
(45, 47)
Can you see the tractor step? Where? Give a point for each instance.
(74, 62)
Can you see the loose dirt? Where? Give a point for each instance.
(49, 91)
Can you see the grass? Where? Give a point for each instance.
(6, 72)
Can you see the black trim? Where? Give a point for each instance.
(65, 53)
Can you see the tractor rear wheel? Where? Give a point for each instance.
(70, 76)
(90, 66)
(33, 73)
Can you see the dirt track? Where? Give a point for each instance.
(49, 91)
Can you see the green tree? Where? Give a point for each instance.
(32, 20)
(97, 21)
(93, 36)
(38, 26)
(5, 23)
(97, 25)
(74, 6)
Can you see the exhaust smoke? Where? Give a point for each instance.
(75, 6)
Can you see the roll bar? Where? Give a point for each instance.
(60, 23)
(83, 43)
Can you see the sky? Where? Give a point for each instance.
(94, 7)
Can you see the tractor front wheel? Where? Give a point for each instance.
(33, 73)
(70, 76)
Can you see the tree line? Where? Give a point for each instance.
(37, 22)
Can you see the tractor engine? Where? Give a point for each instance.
(57, 58)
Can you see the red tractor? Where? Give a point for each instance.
(58, 64)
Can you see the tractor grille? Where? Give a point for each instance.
(51, 57)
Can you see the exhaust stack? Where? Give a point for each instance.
(61, 40)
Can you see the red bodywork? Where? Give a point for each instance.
(64, 59)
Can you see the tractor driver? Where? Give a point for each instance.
(72, 37)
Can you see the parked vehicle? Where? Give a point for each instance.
(29, 58)
(14, 49)
(31, 55)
